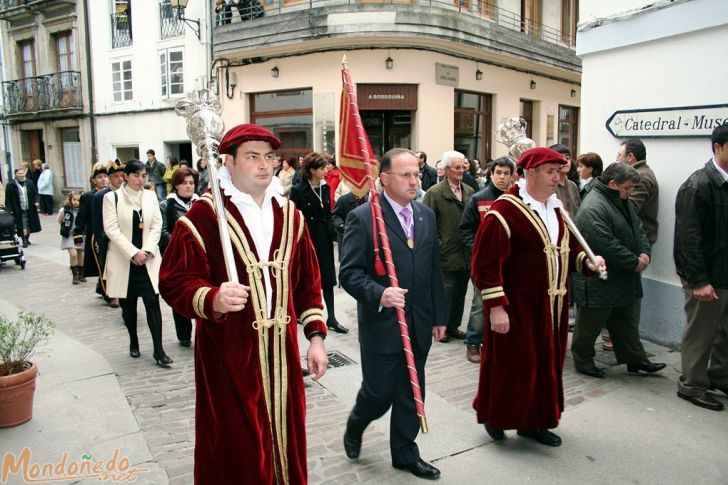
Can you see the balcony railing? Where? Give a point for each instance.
(169, 25)
(50, 92)
(121, 33)
(483, 9)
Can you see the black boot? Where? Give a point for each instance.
(129, 314)
(154, 320)
(81, 277)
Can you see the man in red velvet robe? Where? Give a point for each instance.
(250, 401)
(523, 255)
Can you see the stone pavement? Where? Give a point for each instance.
(93, 398)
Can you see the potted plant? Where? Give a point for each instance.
(18, 342)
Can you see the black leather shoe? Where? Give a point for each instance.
(352, 446)
(134, 352)
(592, 372)
(162, 359)
(704, 401)
(543, 436)
(337, 327)
(456, 333)
(420, 469)
(185, 343)
(496, 434)
(646, 366)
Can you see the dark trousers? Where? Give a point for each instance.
(46, 204)
(456, 285)
(385, 383)
(183, 326)
(623, 325)
(154, 320)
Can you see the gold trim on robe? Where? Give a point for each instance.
(490, 293)
(198, 301)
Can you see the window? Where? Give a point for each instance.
(527, 114)
(171, 72)
(569, 17)
(569, 127)
(473, 124)
(289, 115)
(121, 31)
(72, 158)
(28, 95)
(121, 81)
(27, 59)
(531, 17)
(64, 52)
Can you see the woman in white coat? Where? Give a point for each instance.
(133, 224)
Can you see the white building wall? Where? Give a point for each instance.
(148, 120)
(433, 123)
(652, 67)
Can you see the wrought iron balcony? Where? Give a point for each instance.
(121, 33)
(11, 9)
(169, 25)
(481, 10)
(57, 91)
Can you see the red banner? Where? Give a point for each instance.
(351, 148)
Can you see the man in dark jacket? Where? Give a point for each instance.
(345, 204)
(428, 175)
(475, 210)
(21, 200)
(610, 225)
(115, 170)
(701, 259)
(155, 172)
(645, 196)
(85, 223)
(447, 199)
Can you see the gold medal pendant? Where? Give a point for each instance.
(141, 225)
(410, 243)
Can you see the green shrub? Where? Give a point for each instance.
(19, 339)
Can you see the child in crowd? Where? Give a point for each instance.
(74, 244)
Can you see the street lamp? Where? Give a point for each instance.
(478, 75)
(389, 63)
(180, 6)
(573, 93)
(275, 72)
(533, 84)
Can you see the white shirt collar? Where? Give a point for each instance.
(551, 203)
(720, 169)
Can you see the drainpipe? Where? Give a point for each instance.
(90, 81)
(6, 143)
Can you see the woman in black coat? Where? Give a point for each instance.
(311, 196)
(177, 203)
(21, 200)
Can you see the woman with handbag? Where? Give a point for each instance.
(176, 205)
(133, 224)
(311, 196)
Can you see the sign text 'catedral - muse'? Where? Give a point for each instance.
(686, 121)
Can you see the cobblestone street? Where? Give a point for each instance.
(162, 401)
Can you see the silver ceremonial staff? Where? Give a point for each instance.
(205, 128)
(512, 133)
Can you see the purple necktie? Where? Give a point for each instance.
(406, 214)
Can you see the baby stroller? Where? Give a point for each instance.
(9, 240)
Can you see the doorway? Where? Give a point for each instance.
(33, 145)
(387, 129)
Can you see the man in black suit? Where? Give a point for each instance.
(412, 234)
(428, 175)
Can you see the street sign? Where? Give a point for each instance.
(684, 121)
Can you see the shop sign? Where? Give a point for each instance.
(387, 96)
(447, 74)
(685, 121)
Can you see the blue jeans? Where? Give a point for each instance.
(474, 332)
(161, 190)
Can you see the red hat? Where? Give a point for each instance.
(538, 156)
(248, 132)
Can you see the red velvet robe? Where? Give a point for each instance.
(520, 384)
(241, 435)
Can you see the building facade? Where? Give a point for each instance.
(45, 88)
(654, 72)
(430, 76)
(146, 58)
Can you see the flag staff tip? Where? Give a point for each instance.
(343, 62)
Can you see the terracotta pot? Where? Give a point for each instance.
(16, 397)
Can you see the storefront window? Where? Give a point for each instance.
(569, 127)
(473, 121)
(289, 115)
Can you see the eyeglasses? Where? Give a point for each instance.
(406, 175)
